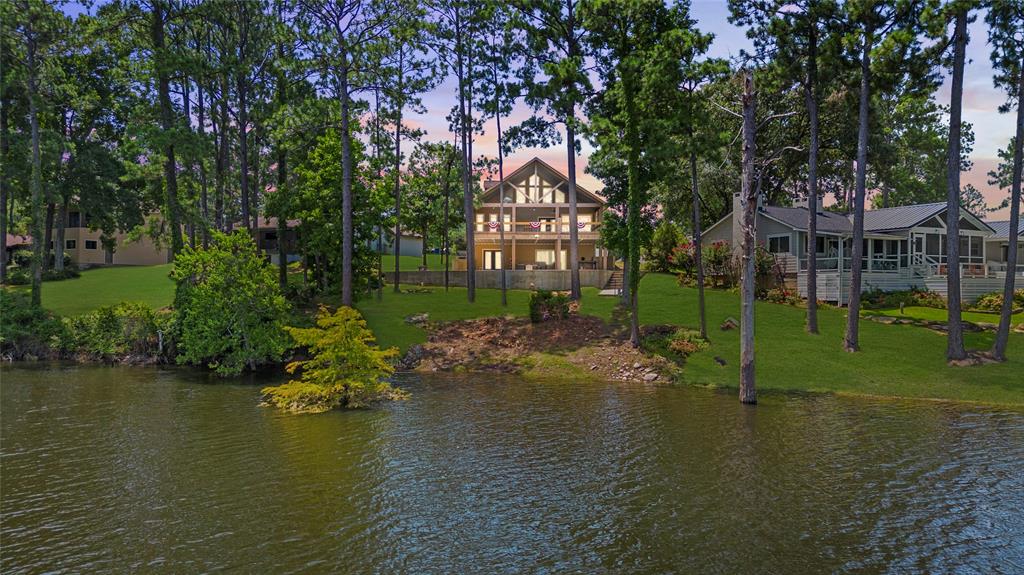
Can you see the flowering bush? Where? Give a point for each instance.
(686, 341)
(878, 299)
(994, 301)
(547, 305)
(781, 295)
(719, 264)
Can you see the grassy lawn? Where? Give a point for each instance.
(107, 286)
(896, 360)
(932, 314)
(387, 317)
(412, 263)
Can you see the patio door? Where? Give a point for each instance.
(492, 259)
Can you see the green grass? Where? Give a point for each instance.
(107, 286)
(895, 360)
(412, 263)
(387, 317)
(932, 314)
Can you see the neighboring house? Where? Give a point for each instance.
(411, 244)
(265, 236)
(904, 248)
(536, 222)
(84, 247)
(16, 242)
(997, 244)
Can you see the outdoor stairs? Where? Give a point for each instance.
(613, 286)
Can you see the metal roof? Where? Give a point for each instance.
(900, 217)
(1002, 229)
(796, 218)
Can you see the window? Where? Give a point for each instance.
(778, 244)
(74, 219)
(70, 244)
(546, 257)
(90, 244)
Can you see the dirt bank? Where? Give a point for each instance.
(514, 345)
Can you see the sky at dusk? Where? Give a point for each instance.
(992, 130)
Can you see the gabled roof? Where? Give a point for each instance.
(902, 217)
(1002, 229)
(587, 195)
(796, 218)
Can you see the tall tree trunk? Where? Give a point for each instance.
(634, 201)
(852, 341)
(243, 147)
(398, 171)
(698, 256)
(811, 94)
(186, 101)
(36, 181)
(282, 172)
(1003, 332)
(204, 206)
(748, 206)
(467, 191)
(346, 183)
(58, 244)
(222, 158)
(501, 189)
(955, 339)
(167, 124)
(48, 248)
(575, 292)
(5, 103)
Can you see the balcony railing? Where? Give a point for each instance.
(535, 227)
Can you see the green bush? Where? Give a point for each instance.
(686, 341)
(22, 257)
(25, 329)
(230, 311)
(117, 331)
(346, 370)
(70, 272)
(547, 305)
(18, 277)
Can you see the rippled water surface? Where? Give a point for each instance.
(148, 470)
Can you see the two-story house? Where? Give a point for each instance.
(536, 222)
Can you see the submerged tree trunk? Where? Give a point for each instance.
(852, 339)
(1003, 332)
(167, 124)
(748, 206)
(812, 181)
(955, 338)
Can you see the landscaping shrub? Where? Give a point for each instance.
(18, 277)
(230, 311)
(546, 305)
(781, 295)
(877, 299)
(70, 272)
(993, 302)
(118, 331)
(22, 257)
(719, 265)
(687, 341)
(346, 370)
(26, 330)
(660, 254)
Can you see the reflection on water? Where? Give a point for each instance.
(137, 469)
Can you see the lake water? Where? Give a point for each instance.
(167, 470)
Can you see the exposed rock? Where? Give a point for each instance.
(418, 318)
(650, 376)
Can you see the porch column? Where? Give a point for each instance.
(513, 266)
(843, 290)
